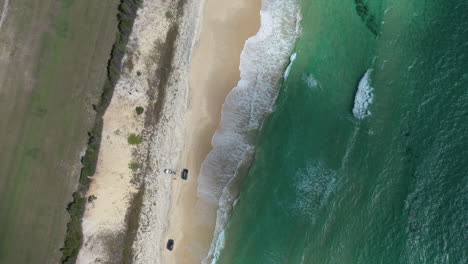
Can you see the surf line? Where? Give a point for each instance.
(4, 12)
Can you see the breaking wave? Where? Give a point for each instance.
(364, 97)
(291, 61)
(262, 66)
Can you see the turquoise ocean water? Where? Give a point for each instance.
(385, 183)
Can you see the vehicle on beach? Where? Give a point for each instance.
(170, 244)
(169, 171)
(184, 175)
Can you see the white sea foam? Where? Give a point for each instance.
(364, 97)
(263, 60)
(310, 80)
(312, 186)
(218, 247)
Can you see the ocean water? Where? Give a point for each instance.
(363, 157)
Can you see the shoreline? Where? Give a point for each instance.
(214, 72)
(263, 61)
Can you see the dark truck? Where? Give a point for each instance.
(170, 244)
(184, 175)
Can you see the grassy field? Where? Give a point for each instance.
(53, 56)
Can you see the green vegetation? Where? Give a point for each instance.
(134, 166)
(73, 240)
(73, 243)
(139, 110)
(134, 139)
(91, 198)
(89, 160)
(168, 14)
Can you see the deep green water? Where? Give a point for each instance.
(326, 187)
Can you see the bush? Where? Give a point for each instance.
(134, 166)
(168, 14)
(139, 110)
(91, 198)
(134, 139)
(74, 236)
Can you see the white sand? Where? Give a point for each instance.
(105, 216)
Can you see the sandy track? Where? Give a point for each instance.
(4, 12)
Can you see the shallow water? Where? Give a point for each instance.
(386, 186)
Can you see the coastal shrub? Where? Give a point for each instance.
(168, 15)
(91, 198)
(139, 110)
(134, 166)
(74, 233)
(134, 139)
(89, 160)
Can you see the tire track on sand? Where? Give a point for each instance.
(4, 12)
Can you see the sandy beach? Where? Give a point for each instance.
(182, 112)
(214, 71)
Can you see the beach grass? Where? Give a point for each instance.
(134, 166)
(75, 239)
(134, 139)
